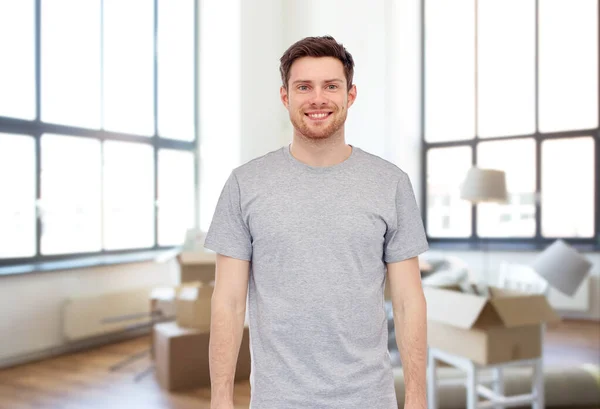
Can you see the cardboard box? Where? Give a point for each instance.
(196, 266)
(193, 306)
(182, 357)
(505, 326)
(196, 263)
(162, 302)
(163, 305)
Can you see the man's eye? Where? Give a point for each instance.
(302, 87)
(332, 86)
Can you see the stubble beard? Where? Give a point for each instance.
(301, 124)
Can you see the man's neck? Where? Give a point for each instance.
(320, 152)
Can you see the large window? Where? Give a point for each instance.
(512, 85)
(97, 127)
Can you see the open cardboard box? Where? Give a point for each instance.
(163, 299)
(505, 325)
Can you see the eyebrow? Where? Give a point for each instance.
(310, 82)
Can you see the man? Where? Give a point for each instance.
(308, 231)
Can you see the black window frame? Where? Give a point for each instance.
(36, 128)
(475, 242)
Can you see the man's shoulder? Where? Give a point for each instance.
(381, 166)
(260, 163)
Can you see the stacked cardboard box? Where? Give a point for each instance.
(193, 306)
(196, 266)
(182, 357)
(162, 302)
(195, 262)
(488, 327)
(181, 347)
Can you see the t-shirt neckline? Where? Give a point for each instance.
(320, 169)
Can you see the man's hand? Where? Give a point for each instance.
(410, 321)
(415, 406)
(221, 405)
(227, 315)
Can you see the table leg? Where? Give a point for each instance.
(471, 387)
(498, 383)
(432, 381)
(538, 384)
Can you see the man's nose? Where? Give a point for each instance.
(318, 97)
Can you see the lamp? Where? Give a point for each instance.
(563, 267)
(484, 185)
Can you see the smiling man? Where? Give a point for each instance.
(305, 237)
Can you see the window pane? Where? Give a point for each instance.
(517, 217)
(568, 65)
(17, 48)
(17, 207)
(506, 67)
(447, 214)
(176, 69)
(71, 186)
(568, 187)
(449, 70)
(176, 188)
(128, 66)
(71, 62)
(128, 195)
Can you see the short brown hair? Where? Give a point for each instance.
(324, 46)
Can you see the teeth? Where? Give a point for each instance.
(317, 116)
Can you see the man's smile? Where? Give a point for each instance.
(318, 115)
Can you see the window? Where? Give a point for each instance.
(97, 127)
(523, 100)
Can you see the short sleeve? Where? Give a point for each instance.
(406, 237)
(228, 233)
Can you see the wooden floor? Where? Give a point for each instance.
(85, 380)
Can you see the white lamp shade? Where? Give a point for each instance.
(563, 267)
(484, 185)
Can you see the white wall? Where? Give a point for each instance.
(403, 102)
(263, 116)
(220, 99)
(31, 303)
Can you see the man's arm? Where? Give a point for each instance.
(228, 311)
(410, 321)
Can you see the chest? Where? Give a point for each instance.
(319, 214)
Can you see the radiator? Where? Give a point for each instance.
(580, 301)
(85, 317)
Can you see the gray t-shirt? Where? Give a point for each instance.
(318, 239)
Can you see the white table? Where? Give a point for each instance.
(474, 382)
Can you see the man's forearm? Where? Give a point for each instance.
(410, 322)
(226, 331)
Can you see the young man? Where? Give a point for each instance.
(308, 231)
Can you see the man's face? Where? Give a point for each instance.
(317, 97)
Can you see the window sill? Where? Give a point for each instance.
(511, 246)
(89, 262)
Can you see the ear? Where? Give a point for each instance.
(284, 96)
(351, 95)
